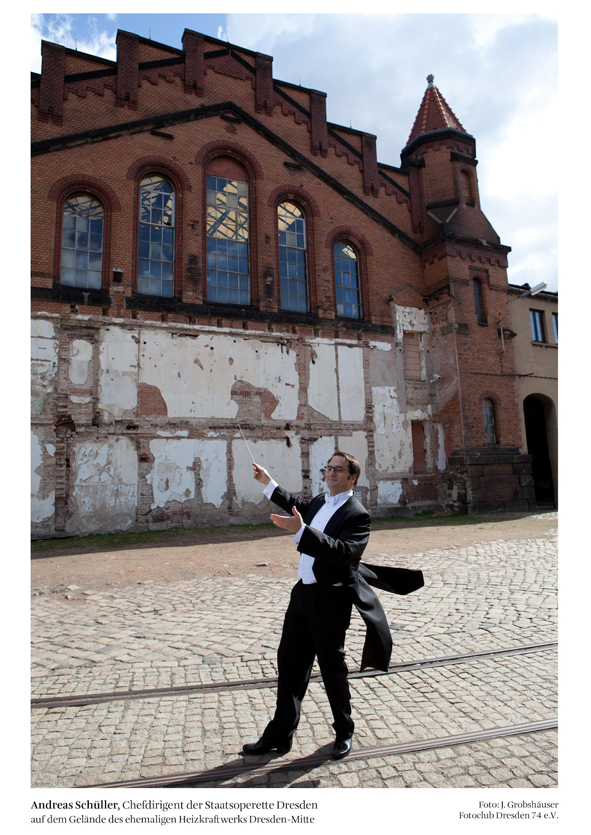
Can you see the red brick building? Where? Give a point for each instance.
(210, 254)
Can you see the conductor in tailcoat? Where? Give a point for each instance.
(331, 532)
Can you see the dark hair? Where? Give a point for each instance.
(354, 466)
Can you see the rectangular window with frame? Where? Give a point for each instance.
(555, 326)
(538, 331)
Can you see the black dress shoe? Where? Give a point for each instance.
(342, 746)
(263, 746)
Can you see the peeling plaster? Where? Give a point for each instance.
(80, 356)
(282, 462)
(77, 399)
(44, 362)
(410, 319)
(322, 389)
(195, 376)
(321, 452)
(393, 443)
(351, 383)
(180, 433)
(41, 508)
(173, 475)
(105, 478)
(389, 492)
(118, 383)
(50, 449)
(381, 346)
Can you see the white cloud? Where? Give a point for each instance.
(60, 29)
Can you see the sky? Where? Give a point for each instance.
(497, 72)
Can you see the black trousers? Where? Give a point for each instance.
(315, 625)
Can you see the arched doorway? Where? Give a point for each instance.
(538, 413)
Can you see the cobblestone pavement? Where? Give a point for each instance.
(496, 595)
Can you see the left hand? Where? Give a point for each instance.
(289, 523)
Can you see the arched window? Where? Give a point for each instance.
(156, 237)
(479, 301)
(82, 243)
(488, 411)
(346, 270)
(292, 257)
(228, 277)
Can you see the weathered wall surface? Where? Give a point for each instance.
(148, 418)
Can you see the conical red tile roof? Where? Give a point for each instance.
(434, 113)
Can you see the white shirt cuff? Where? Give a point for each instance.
(298, 536)
(270, 488)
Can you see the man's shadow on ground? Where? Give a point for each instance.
(247, 765)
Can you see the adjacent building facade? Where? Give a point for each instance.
(534, 319)
(211, 257)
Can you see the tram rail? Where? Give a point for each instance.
(86, 699)
(228, 772)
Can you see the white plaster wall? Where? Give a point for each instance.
(118, 370)
(195, 375)
(283, 464)
(322, 388)
(409, 319)
(44, 362)
(393, 442)
(104, 477)
(351, 383)
(356, 444)
(389, 492)
(80, 356)
(41, 508)
(320, 453)
(173, 475)
(381, 346)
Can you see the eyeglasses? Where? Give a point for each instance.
(334, 469)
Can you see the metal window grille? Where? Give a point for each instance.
(228, 275)
(292, 258)
(346, 268)
(156, 238)
(82, 243)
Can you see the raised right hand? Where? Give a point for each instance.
(261, 475)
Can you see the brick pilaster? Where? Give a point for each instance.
(51, 93)
(193, 47)
(128, 77)
(264, 84)
(371, 180)
(319, 127)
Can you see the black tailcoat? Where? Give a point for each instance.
(337, 554)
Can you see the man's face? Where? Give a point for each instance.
(339, 482)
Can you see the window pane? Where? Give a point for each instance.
(156, 237)
(81, 214)
(227, 239)
(346, 280)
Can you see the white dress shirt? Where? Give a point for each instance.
(319, 523)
